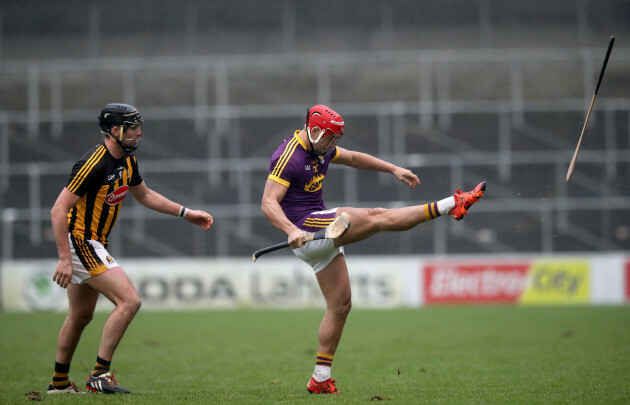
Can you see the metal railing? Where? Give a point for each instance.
(428, 112)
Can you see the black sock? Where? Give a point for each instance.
(60, 378)
(102, 366)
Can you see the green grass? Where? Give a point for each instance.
(443, 355)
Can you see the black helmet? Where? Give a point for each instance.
(119, 115)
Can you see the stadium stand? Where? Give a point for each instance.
(458, 92)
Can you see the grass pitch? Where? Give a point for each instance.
(446, 355)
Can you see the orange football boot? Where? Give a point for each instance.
(324, 387)
(463, 201)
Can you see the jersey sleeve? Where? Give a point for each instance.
(87, 170)
(334, 154)
(83, 174)
(281, 172)
(284, 162)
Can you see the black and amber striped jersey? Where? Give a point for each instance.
(102, 182)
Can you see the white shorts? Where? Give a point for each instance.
(318, 253)
(89, 259)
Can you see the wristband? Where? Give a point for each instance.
(183, 211)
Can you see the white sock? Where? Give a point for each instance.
(445, 205)
(321, 373)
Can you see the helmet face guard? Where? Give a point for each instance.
(327, 123)
(127, 147)
(123, 116)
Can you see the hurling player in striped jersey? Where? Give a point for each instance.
(292, 201)
(82, 219)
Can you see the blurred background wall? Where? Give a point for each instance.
(458, 92)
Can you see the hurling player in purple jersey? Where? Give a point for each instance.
(292, 201)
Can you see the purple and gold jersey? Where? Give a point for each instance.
(302, 172)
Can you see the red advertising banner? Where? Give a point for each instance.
(479, 282)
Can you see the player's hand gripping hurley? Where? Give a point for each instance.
(336, 229)
(588, 114)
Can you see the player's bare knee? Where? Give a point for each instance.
(347, 306)
(135, 304)
(80, 319)
(130, 306)
(342, 309)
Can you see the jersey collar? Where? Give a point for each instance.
(295, 135)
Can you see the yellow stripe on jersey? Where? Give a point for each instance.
(318, 222)
(111, 214)
(320, 219)
(87, 167)
(130, 168)
(78, 211)
(336, 154)
(279, 180)
(284, 158)
(98, 206)
(101, 208)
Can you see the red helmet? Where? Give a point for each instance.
(325, 119)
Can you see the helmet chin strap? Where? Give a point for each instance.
(313, 142)
(119, 140)
(308, 135)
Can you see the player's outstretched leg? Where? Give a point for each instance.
(369, 221)
(465, 200)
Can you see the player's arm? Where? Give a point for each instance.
(157, 202)
(273, 194)
(363, 161)
(59, 219)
